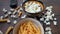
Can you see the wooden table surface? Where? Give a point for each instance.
(56, 10)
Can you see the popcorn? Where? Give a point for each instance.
(47, 19)
(6, 15)
(1, 17)
(55, 22)
(45, 22)
(4, 10)
(9, 12)
(55, 19)
(21, 9)
(51, 18)
(49, 32)
(15, 21)
(48, 29)
(49, 8)
(48, 13)
(12, 9)
(48, 23)
(41, 19)
(8, 21)
(53, 15)
(13, 15)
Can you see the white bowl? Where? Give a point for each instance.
(35, 22)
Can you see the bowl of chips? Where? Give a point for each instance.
(28, 26)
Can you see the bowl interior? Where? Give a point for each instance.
(41, 4)
(35, 22)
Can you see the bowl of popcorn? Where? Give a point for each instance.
(33, 7)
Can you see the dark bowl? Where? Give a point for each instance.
(34, 14)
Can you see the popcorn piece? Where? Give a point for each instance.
(12, 9)
(49, 32)
(55, 19)
(1, 17)
(15, 21)
(21, 9)
(51, 18)
(1, 32)
(55, 22)
(4, 10)
(13, 16)
(6, 15)
(45, 22)
(49, 8)
(9, 12)
(48, 13)
(47, 19)
(42, 19)
(8, 21)
(48, 23)
(53, 15)
(48, 29)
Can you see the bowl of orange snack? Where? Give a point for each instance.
(28, 26)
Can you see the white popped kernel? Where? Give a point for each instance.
(48, 13)
(6, 15)
(55, 19)
(47, 8)
(9, 12)
(8, 21)
(51, 18)
(1, 17)
(53, 15)
(42, 19)
(15, 21)
(48, 23)
(12, 9)
(1, 32)
(13, 16)
(45, 22)
(21, 9)
(47, 19)
(48, 28)
(55, 22)
(23, 16)
(49, 32)
(4, 10)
